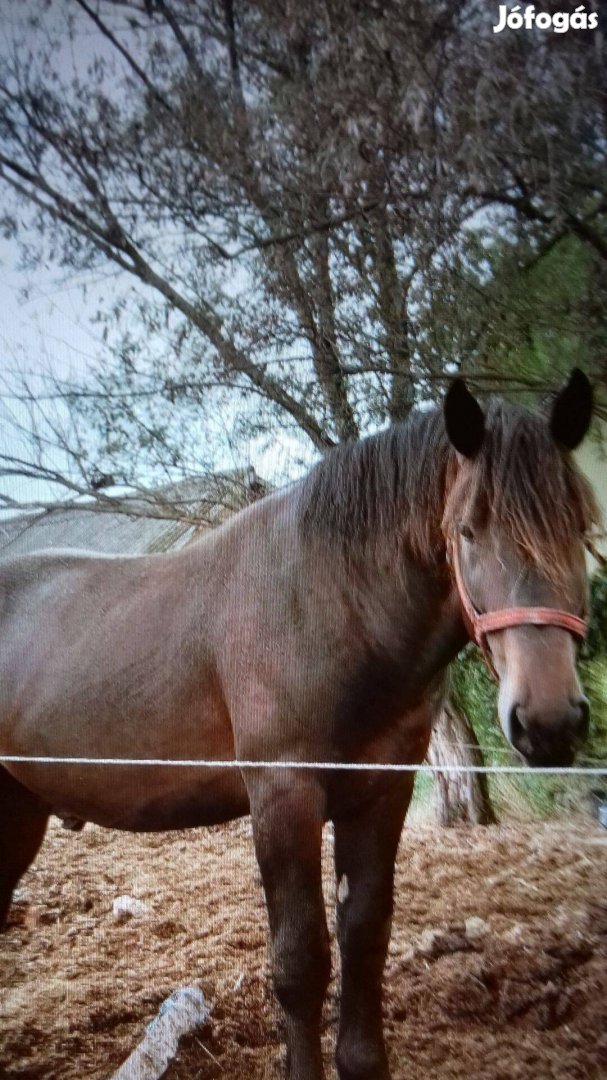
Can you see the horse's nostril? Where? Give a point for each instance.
(519, 736)
(516, 725)
(583, 719)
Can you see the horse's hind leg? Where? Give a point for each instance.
(23, 819)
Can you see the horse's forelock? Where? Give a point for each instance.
(525, 486)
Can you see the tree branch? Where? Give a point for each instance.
(139, 72)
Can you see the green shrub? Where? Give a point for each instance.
(596, 644)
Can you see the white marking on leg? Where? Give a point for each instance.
(343, 889)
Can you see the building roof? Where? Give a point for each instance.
(164, 520)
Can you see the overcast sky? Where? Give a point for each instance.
(47, 323)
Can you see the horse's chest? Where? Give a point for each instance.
(387, 724)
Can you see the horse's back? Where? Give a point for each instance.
(105, 657)
(42, 589)
(84, 611)
(36, 572)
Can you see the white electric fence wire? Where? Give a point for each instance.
(354, 766)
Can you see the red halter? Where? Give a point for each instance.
(479, 625)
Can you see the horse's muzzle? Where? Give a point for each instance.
(549, 740)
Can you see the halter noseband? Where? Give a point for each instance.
(479, 625)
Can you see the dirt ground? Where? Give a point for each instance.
(525, 996)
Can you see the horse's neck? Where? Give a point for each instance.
(403, 605)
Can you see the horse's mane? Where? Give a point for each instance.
(382, 487)
(403, 486)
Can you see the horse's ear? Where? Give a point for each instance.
(464, 419)
(572, 411)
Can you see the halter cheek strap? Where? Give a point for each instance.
(479, 625)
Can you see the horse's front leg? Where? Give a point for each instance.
(366, 842)
(287, 811)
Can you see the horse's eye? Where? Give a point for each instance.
(466, 532)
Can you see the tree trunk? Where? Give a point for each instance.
(463, 797)
(392, 302)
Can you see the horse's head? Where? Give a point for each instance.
(516, 518)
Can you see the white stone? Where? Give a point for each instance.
(125, 907)
(476, 928)
(427, 941)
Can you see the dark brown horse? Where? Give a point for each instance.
(314, 626)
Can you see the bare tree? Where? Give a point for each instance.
(330, 160)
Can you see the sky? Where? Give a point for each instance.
(48, 324)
